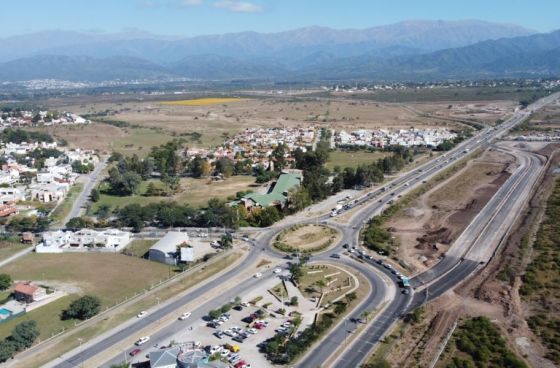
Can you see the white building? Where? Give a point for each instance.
(166, 249)
(53, 192)
(11, 195)
(112, 240)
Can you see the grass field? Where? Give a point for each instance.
(139, 247)
(333, 277)
(65, 207)
(168, 291)
(139, 141)
(353, 159)
(8, 249)
(195, 192)
(202, 101)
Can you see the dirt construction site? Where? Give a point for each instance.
(427, 227)
(488, 293)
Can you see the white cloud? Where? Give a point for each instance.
(191, 2)
(238, 6)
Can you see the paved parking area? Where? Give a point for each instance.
(197, 330)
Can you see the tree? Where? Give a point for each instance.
(83, 308)
(214, 313)
(5, 281)
(24, 334)
(365, 315)
(94, 195)
(7, 350)
(321, 284)
(225, 167)
(226, 241)
(278, 155)
(120, 365)
(294, 301)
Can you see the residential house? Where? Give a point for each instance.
(8, 209)
(112, 240)
(11, 195)
(28, 292)
(48, 192)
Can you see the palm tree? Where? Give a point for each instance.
(321, 284)
(365, 315)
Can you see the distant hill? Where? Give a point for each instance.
(406, 50)
(80, 68)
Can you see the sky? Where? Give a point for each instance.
(198, 17)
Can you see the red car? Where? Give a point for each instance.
(241, 364)
(259, 326)
(135, 352)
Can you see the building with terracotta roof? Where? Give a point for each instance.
(28, 292)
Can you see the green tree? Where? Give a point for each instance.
(5, 281)
(294, 301)
(7, 350)
(94, 195)
(83, 308)
(24, 334)
(214, 313)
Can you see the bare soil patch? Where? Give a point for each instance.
(434, 220)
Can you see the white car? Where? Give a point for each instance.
(277, 270)
(142, 340)
(142, 314)
(257, 275)
(245, 304)
(252, 331)
(228, 332)
(184, 316)
(215, 349)
(224, 353)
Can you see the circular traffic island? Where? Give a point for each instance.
(306, 239)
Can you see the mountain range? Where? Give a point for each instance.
(405, 50)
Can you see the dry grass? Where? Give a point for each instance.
(110, 321)
(337, 277)
(309, 237)
(201, 101)
(111, 277)
(8, 249)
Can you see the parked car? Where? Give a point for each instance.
(238, 308)
(219, 334)
(142, 340)
(252, 331)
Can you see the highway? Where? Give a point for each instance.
(462, 262)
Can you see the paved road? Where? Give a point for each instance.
(369, 205)
(92, 179)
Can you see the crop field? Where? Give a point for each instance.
(202, 101)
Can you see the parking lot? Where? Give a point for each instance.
(237, 333)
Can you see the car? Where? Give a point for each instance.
(406, 292)
(219, 334)
(257, 275)
(239, 339)
(135, 352)
(229, 332)
(351, 250)
(245, 304)
(238, 308)
(380, 201)
(393, 193)
(142, 314)
(346, 245)
(335, 255)
(277, 270)
(214, 349)
(380, 261)
(224, 353)
(245, 238)
(184, 316)
(236, 329)
(142, 340)
(212, 324)
(252, 331)
(287, 324)
(233, 357)
(259, 326)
